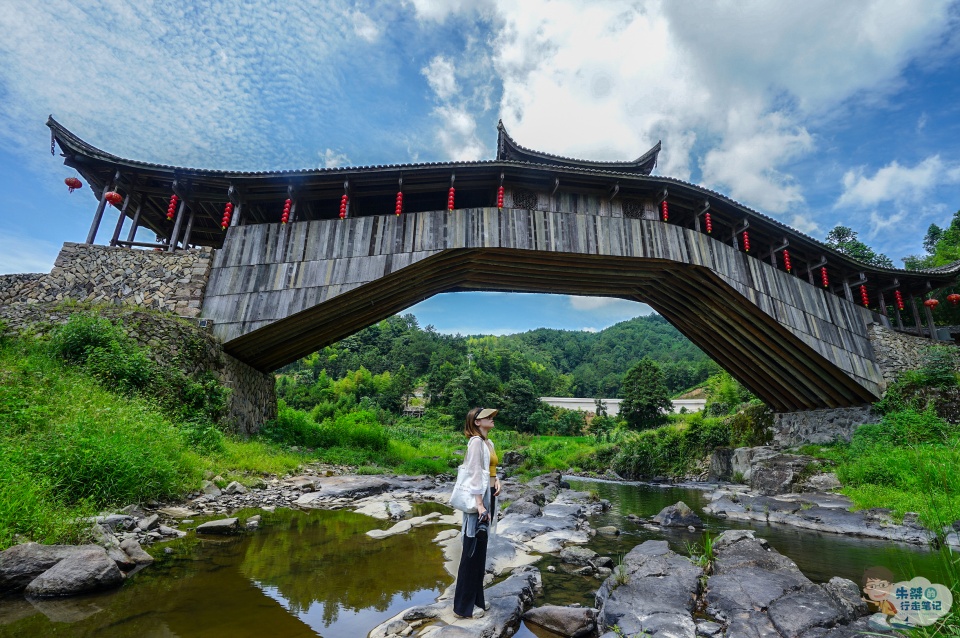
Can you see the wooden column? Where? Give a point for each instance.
(916, 316)
(932, 327)
(98, 216)
(186, 233)
(136, 222)
(176, 226)
(123, 216)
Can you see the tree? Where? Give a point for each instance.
(520, 401)
(645, 396)
(844, 240)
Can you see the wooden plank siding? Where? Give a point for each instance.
(278, 292)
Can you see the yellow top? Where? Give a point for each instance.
(493, 463)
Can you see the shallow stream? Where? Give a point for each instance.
(318, 574)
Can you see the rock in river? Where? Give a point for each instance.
(221, 526)
(86, 569)
(678, 515)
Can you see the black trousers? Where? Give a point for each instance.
(473, 566)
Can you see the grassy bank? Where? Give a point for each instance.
(72, 444)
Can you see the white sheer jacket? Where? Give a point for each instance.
(477, 462)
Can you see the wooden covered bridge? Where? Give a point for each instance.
(308, 257)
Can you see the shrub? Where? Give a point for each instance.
(751, 426)
(105, 350)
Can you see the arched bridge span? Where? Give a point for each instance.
(278, 292)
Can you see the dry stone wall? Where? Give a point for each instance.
(896, 351)
(120, 283)
(173, 282)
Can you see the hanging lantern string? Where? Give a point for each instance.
(746, 242)
(172, 207)
(786, 260)
(665, 210)
(709, 223)
(227, 213)
(399, 207)
(285, 217)
(450, 195)
(343, 206)
(899, 297)
(864, 297)
(500, 198)
(823, 277)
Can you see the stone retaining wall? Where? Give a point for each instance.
(121, 283)
(895, 351)
(170, 340)
(173, 282)
(819, 426)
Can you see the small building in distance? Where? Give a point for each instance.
(613, 405)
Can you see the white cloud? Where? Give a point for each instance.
(746, 165)
(166, 82)
(440, 10)
(457, 134)
(364, 27)
(441, 76)
(894, 182)
(804, 224)
(733, 88)
(25, 254)
(331, 158)
(880, 223)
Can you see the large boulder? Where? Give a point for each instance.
(653, 590)
(20, 564)
(721, 464)
(777, 474)
(87, 569)
(677, 515)
(575, 622)
(578, 555)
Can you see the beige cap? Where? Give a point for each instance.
(487, 413)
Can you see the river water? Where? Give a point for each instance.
(318, 573)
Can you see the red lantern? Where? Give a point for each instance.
(227, 213)
(786, 260)
(709, 223)
(399, 208)
(746, 242)
(286, 212)
(450, 198)
(172, 207)
(343, 206)
(864, 297)
(113, 197)
(931, 304)
(899, 298)
(824, 280)
(953, 298)
(664, 210)
(500, 198)
(73, 183)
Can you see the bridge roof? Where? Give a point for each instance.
(508, 149)
(373, 188)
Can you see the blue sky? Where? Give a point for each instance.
(815, 113)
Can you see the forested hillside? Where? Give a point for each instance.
(386, 361)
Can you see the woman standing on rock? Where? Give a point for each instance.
(481, 462)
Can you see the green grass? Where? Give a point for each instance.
(906, 463)
(69, 446)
